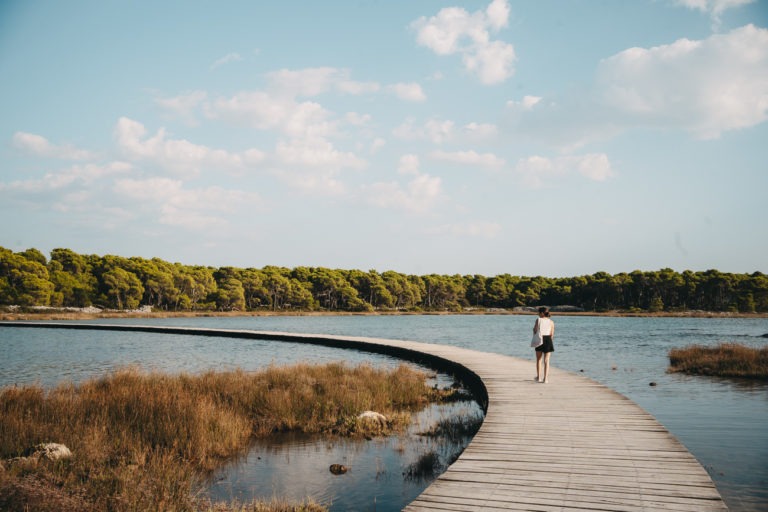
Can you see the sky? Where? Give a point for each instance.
(553, 138)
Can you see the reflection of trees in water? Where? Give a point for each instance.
(426, 467)
(449, 435)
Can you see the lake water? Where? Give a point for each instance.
(723, 422)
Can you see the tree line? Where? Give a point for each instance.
(68, 279)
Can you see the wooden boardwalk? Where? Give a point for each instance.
(571, 444)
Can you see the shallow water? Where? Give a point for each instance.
(381, 476)
(721, 421)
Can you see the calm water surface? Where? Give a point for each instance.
(723, 422)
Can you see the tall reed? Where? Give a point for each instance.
(142, 441)
(724, 360)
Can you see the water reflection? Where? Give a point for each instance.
(384, 474)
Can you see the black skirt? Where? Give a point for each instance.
(547, 346)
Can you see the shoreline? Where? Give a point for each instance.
(80, 315)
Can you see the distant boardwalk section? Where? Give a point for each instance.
(572, 444)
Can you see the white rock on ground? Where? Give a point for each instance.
(373, 416)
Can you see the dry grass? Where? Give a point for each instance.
(142, 441)
(724, 360)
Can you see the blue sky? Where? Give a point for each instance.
(554, 138)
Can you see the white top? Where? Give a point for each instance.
(545, 326)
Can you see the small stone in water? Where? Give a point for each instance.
(338, 469)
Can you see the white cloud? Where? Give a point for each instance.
(469, 230)
(184, 106)
(230, 57)
(174, 205)
(481, 131)
(315, 153)
(433, 130)
(536, 170)
(315, 81)
(409, 164)
(322, 182)
(418, 196)
(177, 155)
(471, 158)
(706, 87)
(304, 82)
(313, 165)
(81, 175)
(492, 62)
(357, 88)
(40, 146)
(265, 111)
(715, 8)
(409, 92)
(455, 31)
(594, 166)
(377, 144)
(527, 103)
(497, 14)
(356, 119)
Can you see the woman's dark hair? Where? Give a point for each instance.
(544, 310)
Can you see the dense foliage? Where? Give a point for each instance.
(69, 279)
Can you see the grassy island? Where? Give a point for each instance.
(724, 360)
(144, 441)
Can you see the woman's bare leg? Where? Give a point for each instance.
(546, 366)
(538, 365)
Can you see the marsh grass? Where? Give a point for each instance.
(724, 360)
(144, 441)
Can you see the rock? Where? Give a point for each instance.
(44, 451)
(51, 451)
(373, 416)
(338, 469)
(651, 383)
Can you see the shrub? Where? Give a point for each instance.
(724, 360)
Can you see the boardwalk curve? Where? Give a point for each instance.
(571, 444)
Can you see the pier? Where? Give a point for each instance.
(570, 444)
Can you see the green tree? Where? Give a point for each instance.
(298, 295)
(73, 280)
(157, 278)
(34, 255)
(23, 281)
(194, 285)
(230, 294)
(123, 288)
(256, 293)
(278, 287)
(475, 286)
(656, 305)
(405, 292)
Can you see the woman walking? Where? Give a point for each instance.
(545, 327)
